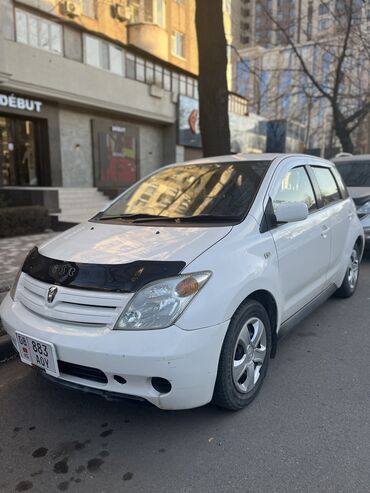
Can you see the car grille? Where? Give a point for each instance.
(84, 372)
(70, 305)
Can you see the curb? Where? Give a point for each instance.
(7, 350)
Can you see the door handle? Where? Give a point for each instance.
(325, 231)
(350, 216)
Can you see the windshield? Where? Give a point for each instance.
(355, 173)
(192, 192)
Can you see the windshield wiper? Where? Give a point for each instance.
(200, 218)
(132, 217)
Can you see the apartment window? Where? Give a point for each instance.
(104, 55)
(92, 56)
(101, 54)
(130, 66)
(155, 12)
(140, 69)
(166, 80)
(158, 75)
(323, 24)
(178, 44)
(175, 83)
(323, 9)
(149, 73)
(38, 32)
(182, 84)
(116, 59)
(189, 87)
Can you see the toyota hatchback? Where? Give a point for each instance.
(177, 292)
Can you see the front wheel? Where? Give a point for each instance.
(350, 280)
(244, 357)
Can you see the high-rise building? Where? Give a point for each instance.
(265, 22)
(268, 72)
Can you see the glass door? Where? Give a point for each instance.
(20, 163)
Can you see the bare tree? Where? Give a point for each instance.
(213, 90)
(345, 82)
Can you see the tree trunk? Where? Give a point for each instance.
(213, 91)
(342, 133)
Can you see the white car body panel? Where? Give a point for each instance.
(294, 263)
(121, 243)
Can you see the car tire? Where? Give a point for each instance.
(350, 281)
(247, 345)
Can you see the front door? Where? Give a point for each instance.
(23, 153)
(303, 247)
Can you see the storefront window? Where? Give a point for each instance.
(18, 152)
(116, 158)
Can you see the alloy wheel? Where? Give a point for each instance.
(249, 355)
(353, 269)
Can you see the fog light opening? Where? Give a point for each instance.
(161, 385)
(119, 379)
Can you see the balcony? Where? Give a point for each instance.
(150, 38)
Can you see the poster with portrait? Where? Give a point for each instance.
(117, 154)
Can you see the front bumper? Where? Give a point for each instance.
(187, 359)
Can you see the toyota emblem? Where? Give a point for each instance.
(52, 292)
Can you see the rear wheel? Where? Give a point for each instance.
(350, 280)
(244, 357)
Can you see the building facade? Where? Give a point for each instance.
(90, 92)
(267, 70)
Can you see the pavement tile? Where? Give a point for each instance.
(12, 253)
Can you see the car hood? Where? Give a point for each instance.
(120, 244)
(360, 195)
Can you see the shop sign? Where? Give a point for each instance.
(19, 103)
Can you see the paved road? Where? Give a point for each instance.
(308, 431)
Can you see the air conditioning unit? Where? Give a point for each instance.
(70, 8)
(121, 12)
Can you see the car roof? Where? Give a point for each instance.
(249, 157)
(352, 159)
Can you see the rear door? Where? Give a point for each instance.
(335, 201)
(303, 247)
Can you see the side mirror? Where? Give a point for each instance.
(289, 212)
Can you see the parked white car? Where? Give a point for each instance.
(355, 171)
(178, 291)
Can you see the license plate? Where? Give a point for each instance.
(35, 352)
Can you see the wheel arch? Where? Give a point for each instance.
(268, 301)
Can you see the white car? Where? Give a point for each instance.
(355, 171)
(177, 292)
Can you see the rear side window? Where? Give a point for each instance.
(295, 187)
(328, 187)
(340, 183)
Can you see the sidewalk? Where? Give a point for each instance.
(12, 253)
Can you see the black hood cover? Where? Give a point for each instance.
(122, 278)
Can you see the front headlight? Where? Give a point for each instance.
(364, 208)
(15, 284)
(159, 304)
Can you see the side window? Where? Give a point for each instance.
(295, 187)
(328, 187)
(340, 183)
